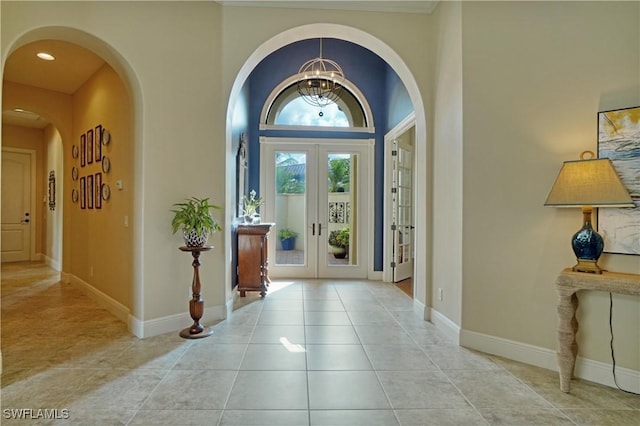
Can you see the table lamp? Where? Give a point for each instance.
(588, 183)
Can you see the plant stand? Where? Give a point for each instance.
(196, 304)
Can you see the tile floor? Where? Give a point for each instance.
(311, 353)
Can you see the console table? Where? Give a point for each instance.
(253, 261)
(568, 284)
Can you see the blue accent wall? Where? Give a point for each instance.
(399, 103)
(381, 86)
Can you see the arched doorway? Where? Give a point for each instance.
(387, 54)
(92, 250)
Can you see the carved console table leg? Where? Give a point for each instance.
(568, 284)
(567, 345)
(196, 304)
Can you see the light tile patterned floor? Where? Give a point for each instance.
(311, 353)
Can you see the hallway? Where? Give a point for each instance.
(311, 353)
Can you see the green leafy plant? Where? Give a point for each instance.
(286, 233)
(250, 204)
(339, 174)
(195, 215)
(339, 237)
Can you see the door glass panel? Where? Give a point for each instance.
(290, 207)
(342, 188)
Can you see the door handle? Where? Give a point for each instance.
(313, 229)
(319, 229)
(24, 221)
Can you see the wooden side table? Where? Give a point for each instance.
(196, 304)
(568, 284)
(253, 260)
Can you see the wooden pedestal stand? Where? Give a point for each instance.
(196, 304)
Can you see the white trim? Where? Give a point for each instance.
(405, 124)
(318, 128)
(421, 310)
(450, 328)
(175, 322)
(148, 328)
(52, 263)
(587, 369)
(116, 308)
(387, 256)
(270, 140)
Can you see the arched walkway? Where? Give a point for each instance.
(397, 64)
(61, 117)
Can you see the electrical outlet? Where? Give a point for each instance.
(440, 294)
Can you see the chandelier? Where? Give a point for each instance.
(320, 81)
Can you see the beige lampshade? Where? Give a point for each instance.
(591, 182)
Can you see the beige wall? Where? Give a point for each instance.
(535, 75)
(447, 162)
(101, 244)
(52, 229)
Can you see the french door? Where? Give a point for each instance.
(317, 191)
(402, 210)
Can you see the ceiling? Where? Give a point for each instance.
(72, 67)
(74, 64)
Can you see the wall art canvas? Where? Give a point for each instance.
(619, 140)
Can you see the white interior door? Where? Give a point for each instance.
(319, 191)
(402, 210)
(17, 222)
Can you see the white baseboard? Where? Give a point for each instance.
(450, 328)
(116, 308)
(375, 275)
(421, 310)
(149, 328)
(594, 371)
(52, 263)
(174, 323)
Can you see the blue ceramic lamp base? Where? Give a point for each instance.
(587, 245)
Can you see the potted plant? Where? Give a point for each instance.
(287, 238)
(339, 242)
(196, 221)
(250, 206)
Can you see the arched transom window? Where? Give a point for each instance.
(290, 109)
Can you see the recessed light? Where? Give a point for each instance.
(46, 56)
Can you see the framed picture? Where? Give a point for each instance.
(619, 140)
(98, 143)
(98, 191)
(90, 146)
(83, 192)
(83, 150)
(90, 191)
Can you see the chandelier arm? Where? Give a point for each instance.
(321, 81)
